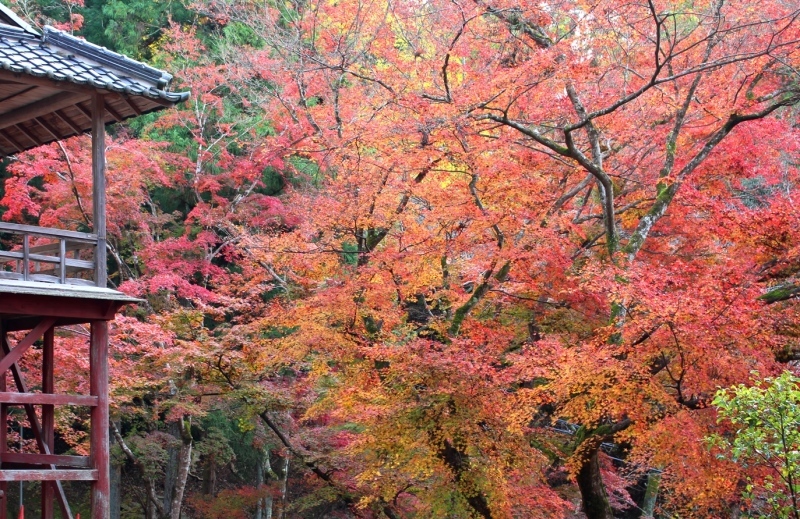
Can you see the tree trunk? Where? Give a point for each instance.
(264, 471)
(171, 469)
(152, 510)
(457, 460)
(651, 493)
(284, 487)
(184, 463)
(259, 484)
(593, 491)
(115, 499)
(264, 507)
(210, 480)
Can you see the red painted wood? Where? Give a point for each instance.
(50, 306)
(44, 399)
(18, 324)
(98, 386)
(19, 381)
(48, 475)
(48, 419)
(22, 346)
(77, 462)
(3, 433)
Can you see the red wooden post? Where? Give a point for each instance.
(48, 418)
(3, 434)
(22, 346)
(35, 307)
(98, 384)
(22, 391)
(101, 489)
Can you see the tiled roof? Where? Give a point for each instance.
(59, 56)
(48, 79)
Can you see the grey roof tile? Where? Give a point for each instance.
(62, 57)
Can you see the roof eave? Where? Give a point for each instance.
(103, 56)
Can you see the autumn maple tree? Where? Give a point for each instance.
(448, 259)
(498, 175)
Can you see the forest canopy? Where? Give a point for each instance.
(444, 258)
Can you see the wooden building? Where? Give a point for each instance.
(54, 86)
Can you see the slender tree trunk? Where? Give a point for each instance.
(171, 469)
(259, 484)
(213, 479)
(210, 479)
(284, 488)
(184, 463)
(593, 491)
(152, 511)
(264, 508)
(264, 471)
(651, 493)
(115, 499)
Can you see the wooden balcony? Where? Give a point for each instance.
(65, 257)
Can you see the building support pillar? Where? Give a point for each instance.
(99, 188)
(48, 418)
(3, 433)
(99, 441)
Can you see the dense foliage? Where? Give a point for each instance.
(463, 258)
(767, 418)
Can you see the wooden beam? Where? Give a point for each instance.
(99, 435)
(33, 420)
(46, 399)
(52, 248)
(24, 131)
(3, 432)
(26, 323)
(49, 129)
(39, 108)
(48, 419)
(62, 266)
(116, 115)
(18, 93)
(61, 305)
(61, 86)
(48, 475)
(69, 122)
(85, 111)
(48, 232)
(22, 346)
(69, 262)
(26, 264)
(131, 104)
(99, 188)
(11, 141)
(77, 462)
